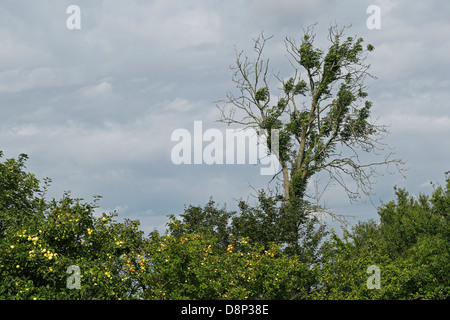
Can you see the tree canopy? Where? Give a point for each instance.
(211, 253)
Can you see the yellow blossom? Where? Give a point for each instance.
(50, 255)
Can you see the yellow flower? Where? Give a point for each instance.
(104, 219)
(12, 246)
(50, 255)
(89, 231)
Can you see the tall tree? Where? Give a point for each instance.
(321, 114)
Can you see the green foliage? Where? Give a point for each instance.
(18, 201)
(261, 224)
(270, 222)
(262, 94)
(270, 251)
(410, 244)
(209, 220)
(188, 267)
(41, 239)
(309, 56)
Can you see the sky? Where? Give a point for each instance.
(94, 108)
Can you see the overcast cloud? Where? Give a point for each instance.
(95, 108)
